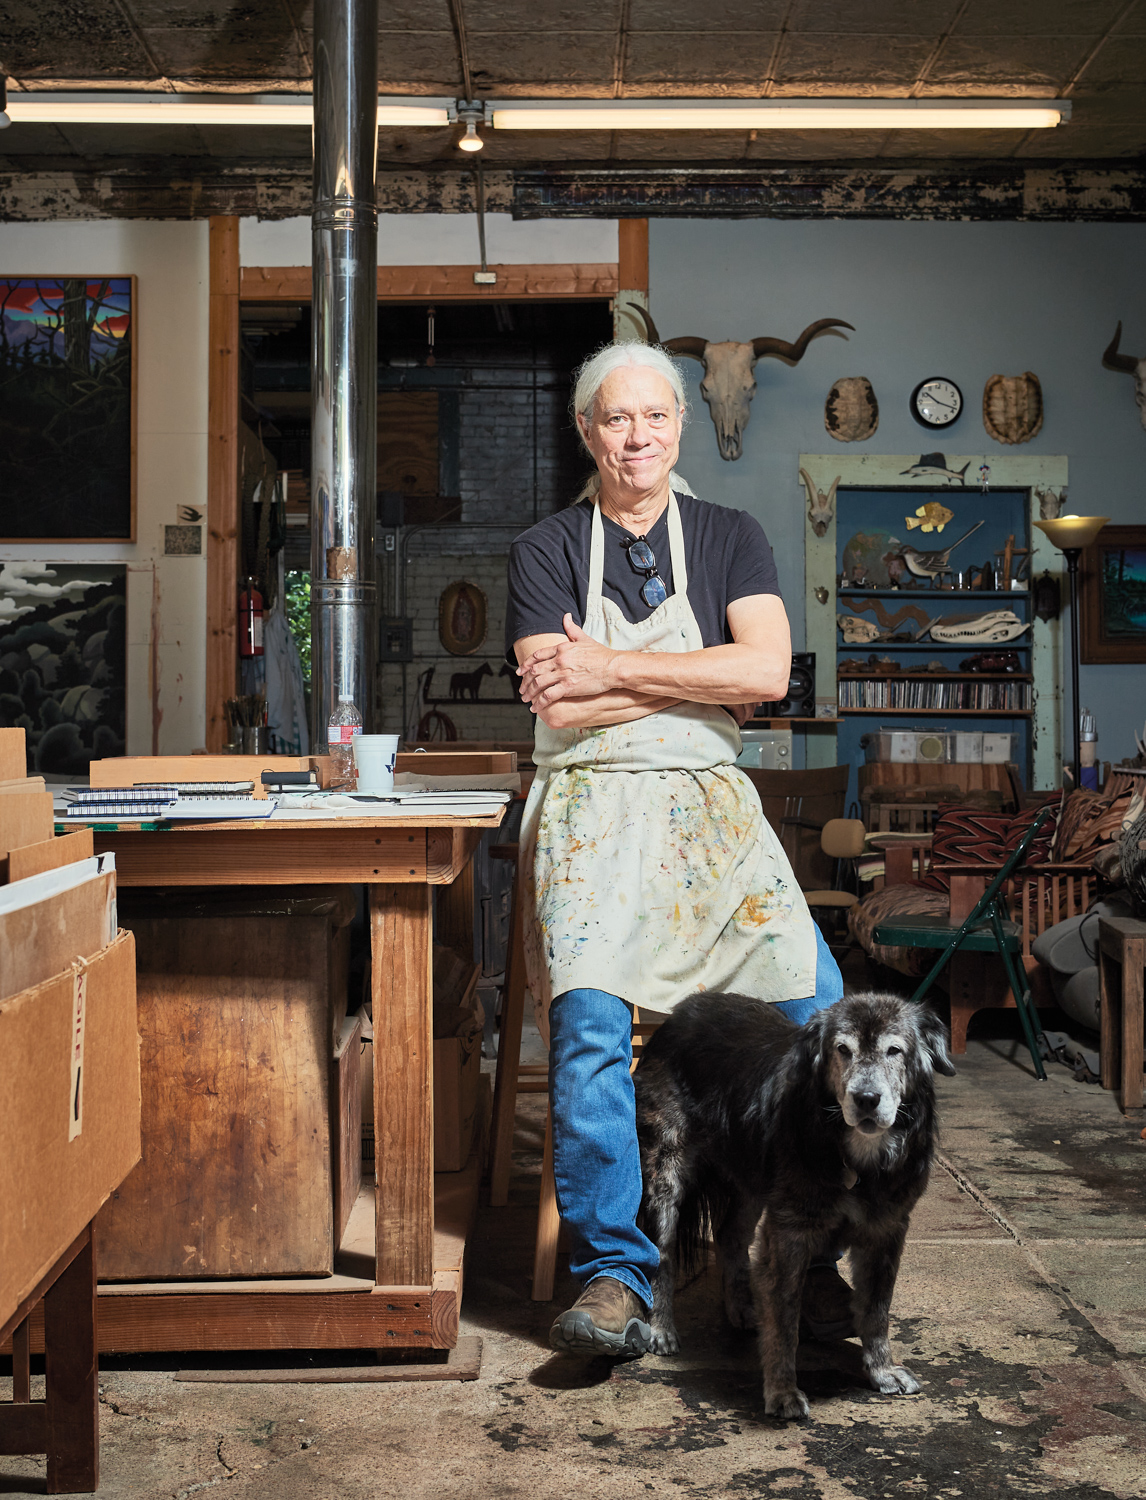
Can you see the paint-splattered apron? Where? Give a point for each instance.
(648, 868)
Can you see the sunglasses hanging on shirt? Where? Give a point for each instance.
(642, 557)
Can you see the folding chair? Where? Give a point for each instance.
(986, 929)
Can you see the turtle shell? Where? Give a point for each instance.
(1013, 407)
(851, 412)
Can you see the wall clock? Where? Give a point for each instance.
(937, 402)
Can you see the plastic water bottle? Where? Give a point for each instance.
(344, 723)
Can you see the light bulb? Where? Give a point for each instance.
(471, 141)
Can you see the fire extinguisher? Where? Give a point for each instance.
(250, 620)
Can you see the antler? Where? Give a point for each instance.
(796, 351)
(687, 345)
(1115, 361)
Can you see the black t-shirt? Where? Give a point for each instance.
(726, 550)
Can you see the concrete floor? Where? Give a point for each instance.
(1020, 1307)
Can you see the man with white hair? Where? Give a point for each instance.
(647, 626)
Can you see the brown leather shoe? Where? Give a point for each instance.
(607, 1318)
(826, 1307)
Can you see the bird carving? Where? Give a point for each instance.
(928, 564)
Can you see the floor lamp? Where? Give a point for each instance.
(1070, 534)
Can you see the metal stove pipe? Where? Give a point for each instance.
(344, 359)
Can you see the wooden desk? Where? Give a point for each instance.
(398, 1280)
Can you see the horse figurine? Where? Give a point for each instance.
(465, 685)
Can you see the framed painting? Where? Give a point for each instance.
(67, 408)
(1112, 583)
(63, 661)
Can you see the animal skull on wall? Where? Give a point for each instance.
(729, 382)
(1130, 366)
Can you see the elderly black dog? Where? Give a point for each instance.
(806, 1140)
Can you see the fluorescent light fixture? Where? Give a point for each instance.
(779, 114)
(203, 109)
(107, 108)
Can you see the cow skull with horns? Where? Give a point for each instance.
(1130, 366)
(729, 382)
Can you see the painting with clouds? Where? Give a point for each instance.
(66, 409)
(63, 661)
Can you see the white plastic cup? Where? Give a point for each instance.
(374, 757)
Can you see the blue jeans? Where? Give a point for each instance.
(596, 1160)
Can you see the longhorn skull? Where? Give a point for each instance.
(1131, 366)
(729, 382)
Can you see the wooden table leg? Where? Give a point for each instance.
(1133, 960)
(402, 986)
(72, 1377)
(22, 1363)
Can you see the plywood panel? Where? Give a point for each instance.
(235, 1027)
(25, 818)
(408, 442)
(222, 473)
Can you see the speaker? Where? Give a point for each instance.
(800, 702)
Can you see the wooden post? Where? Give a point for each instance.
(632, 278)
(72, 1377)
(402, 990)
(455, 921)
(222, 474)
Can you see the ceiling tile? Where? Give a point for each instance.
(852, 59)
(582, 57)
(1121, 60)
(886, 17)
(414, 15)
(1093, 143)
(418, 59)
(248, 53)
(670, 16)
(522, 17)
(814, 145)
(1084, 18)
(739, 60)
(987, 60)
(702, 145)
(61, 39)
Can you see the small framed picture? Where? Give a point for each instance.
(827, 708)
(1112, 596)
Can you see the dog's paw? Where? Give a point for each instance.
(894, 1380)
(789, 1406)
(665, 1339)
(741, 1314)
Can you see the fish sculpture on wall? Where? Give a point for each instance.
(930, 517)
(934, 466)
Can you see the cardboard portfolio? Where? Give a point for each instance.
(48, 920)
(69, 1124)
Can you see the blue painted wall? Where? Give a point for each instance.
(964, 300)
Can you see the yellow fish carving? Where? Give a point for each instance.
(933, 517)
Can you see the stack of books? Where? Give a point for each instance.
(198, 800)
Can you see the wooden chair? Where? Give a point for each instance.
(798, 804)
(511, 1077)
